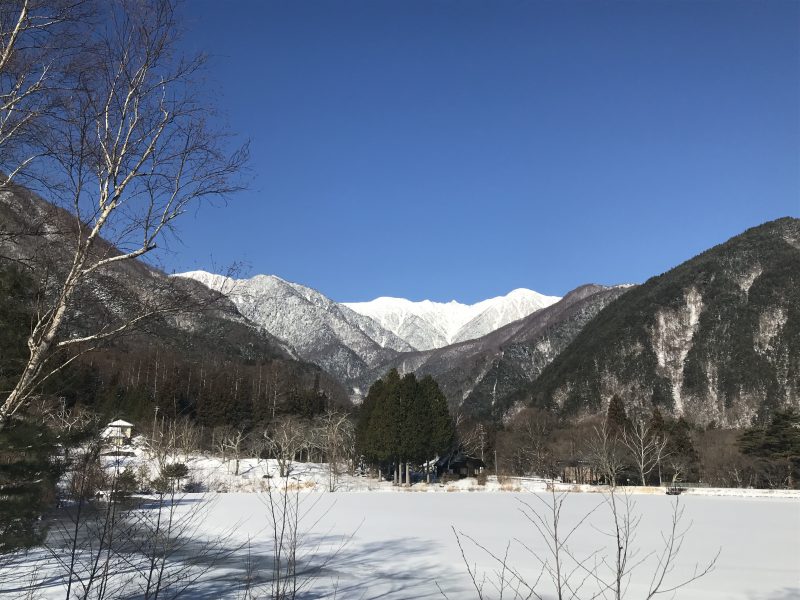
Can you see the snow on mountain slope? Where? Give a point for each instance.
(427, 325)
(320, 330)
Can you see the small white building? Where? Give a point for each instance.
(118, 433)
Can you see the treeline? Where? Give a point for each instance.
(402, 421)
(166, 371)
(210, 389)
(641, 449)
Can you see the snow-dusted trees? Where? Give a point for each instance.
(131, 150)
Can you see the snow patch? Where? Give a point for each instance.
(672, 339)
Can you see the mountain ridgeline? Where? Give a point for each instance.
(716, 339)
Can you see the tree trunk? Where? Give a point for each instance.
(408, 476)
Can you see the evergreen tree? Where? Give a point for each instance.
(616, 417)
(657, 424)
(28, 476)
(681, 452)
(441, 429)
(403, 420)
(17, 299)
(779, 441)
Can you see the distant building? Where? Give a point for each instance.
(459, 464)
(118, 433)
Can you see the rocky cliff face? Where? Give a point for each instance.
(716, 339)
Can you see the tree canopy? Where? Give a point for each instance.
(404, 419)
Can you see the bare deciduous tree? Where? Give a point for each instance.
(285, 438)
(606, 453)
(602, 572)
(232, 443)
(133, 151)
(122, 548)
(645, 448)
(337, 434)
(298, 557)
(36, 37)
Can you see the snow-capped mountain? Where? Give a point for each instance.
(343, 342)
(355, 341)
(427, 325)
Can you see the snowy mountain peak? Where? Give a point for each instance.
(349, 339)
(318, 329)
(426, 324)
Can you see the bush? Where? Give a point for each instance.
(161, 485)
(481, 478)
(193, 487)
(126, 484)
(175, 471)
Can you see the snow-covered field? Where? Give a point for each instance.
(402, 545)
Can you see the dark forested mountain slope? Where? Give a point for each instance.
(716, 339)
(195, 355)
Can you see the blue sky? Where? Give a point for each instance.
(457, 149)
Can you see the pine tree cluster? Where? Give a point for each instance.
(404, 420)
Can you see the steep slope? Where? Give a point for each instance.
(318, 329)
(427, 325)
(716, 339)
(478, 375)
(192, 325)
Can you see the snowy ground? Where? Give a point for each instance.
(401, 546)
(254, 475)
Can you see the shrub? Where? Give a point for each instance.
(481, 478)
(193, 487)
(126, 484)
(175, 471)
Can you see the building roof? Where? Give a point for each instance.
(119, 423)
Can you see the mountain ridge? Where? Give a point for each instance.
(450, 322)
(715, 339)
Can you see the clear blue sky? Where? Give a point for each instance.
(456, 149)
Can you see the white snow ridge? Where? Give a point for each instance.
(350, 340)
(427, 325)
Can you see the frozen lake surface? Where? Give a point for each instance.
(402, 544)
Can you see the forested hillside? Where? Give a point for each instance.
(716, 339)
(189, 354)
